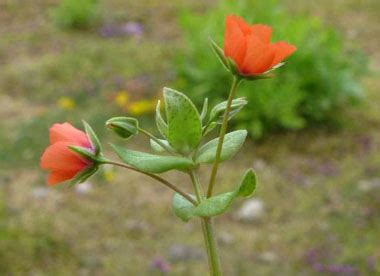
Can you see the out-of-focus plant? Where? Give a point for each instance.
(76, 14)
(320, 80)
(184, 145)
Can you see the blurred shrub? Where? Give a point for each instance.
(319, 79)
(76, 14)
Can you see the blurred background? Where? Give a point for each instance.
(314, 137)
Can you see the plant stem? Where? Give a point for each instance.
(163, 181)
(223, 129)
(151, 136)
(207, 229)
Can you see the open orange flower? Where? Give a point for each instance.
(250, 47)
(63, 163)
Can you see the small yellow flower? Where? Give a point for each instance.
(108, 173)
(121, 98)
(66, 103)
(142, 107)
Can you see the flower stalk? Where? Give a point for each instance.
(235, 83)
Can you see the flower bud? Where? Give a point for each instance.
(125, 127)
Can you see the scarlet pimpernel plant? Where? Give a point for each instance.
(248, 55)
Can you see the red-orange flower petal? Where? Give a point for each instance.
(59, 176)
(262, 31)
(283, 50)
(243, 26)
(62, 163)
(67, 133)
(259, 57)
(235, 44)
(59, 157)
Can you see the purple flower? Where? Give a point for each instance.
(160, 264)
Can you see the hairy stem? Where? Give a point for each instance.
(223, 129)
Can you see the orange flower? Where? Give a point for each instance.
(62, 163)
(250, 47)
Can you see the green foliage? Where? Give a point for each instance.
(215, 205)
(318, 80)
(184, 123)
(232, 143)
(151, 163)
(76, 14)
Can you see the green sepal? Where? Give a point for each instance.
(182, 207)
(84, 175)
(84, 152)
(162, 126)
(93, 138)
(220, 54)
(183, 119)
(152, 163)
(233, 141)
(218, 204)
(125, 127)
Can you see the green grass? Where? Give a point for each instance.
(309, 181)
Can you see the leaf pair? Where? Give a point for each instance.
(215, 205)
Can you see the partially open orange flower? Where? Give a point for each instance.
(250, 47)
(62, 163)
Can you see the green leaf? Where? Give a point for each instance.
(182, 207)
(157, 147)
(160, 123)
(93, 138)
(248, 184)
(220, 54)
(215, 205)
(232, 143)
(210, 127)
(218, 204)
(125, 127)
(184, 123)
(217, 112)
(152, 163)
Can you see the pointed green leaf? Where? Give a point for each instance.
(184, 123)
(248, 184)
(215, 205)
(220, 54)
(218, 204)
(152, 163)
(217, 112)
(160, 123)
(182, 207)
(93, 138)
(232, 143)
(157, 147)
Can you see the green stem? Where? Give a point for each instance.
(151, 136)
(207, 229)
(156, 177)
(223, 129)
